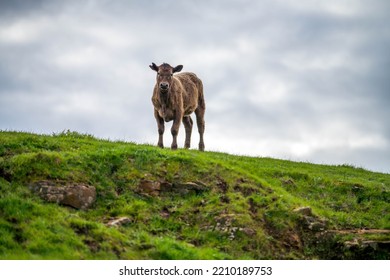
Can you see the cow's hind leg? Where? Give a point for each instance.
(187, 121)
(199, 112)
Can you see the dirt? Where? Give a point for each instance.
(361, 231)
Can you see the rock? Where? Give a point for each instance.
(313, 223)
(367, 249)
(117, 222)
(156, 188)
(188, 187)
(79, 196)
(149, 187)
(317, 226)
(224, 225)
(309, 221)
(248, 231)
(305, 211)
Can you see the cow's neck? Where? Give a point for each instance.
(164, 98)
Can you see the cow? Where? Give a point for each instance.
(175, 98)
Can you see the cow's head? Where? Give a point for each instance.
(164, 75)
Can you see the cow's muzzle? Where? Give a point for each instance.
(164, 86)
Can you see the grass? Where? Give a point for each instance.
(244, 212)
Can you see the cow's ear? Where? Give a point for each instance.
(154, 67)
(177, 68)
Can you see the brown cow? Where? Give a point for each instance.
(175, 97)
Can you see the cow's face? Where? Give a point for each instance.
(165, 75)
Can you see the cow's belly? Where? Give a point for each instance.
(189, 110)
(166, 114)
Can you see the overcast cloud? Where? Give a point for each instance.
(300, 80)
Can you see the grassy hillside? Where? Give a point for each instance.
(212, 206)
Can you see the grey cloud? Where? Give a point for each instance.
(295, 80)
(11, 7)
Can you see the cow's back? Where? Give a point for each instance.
(192, 89)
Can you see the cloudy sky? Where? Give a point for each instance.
(301, 80)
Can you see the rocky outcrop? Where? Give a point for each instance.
(79, 196)
(305, 211)
(156, 188)
(149, 188)
(184, 188)
(331, 243)
(365, 243)
(309, 221)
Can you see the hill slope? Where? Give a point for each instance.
(184, 204)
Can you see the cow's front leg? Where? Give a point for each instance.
(175, 130)
(161, 128)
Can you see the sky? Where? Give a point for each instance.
(298, 80)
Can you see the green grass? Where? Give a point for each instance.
(245, 212)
